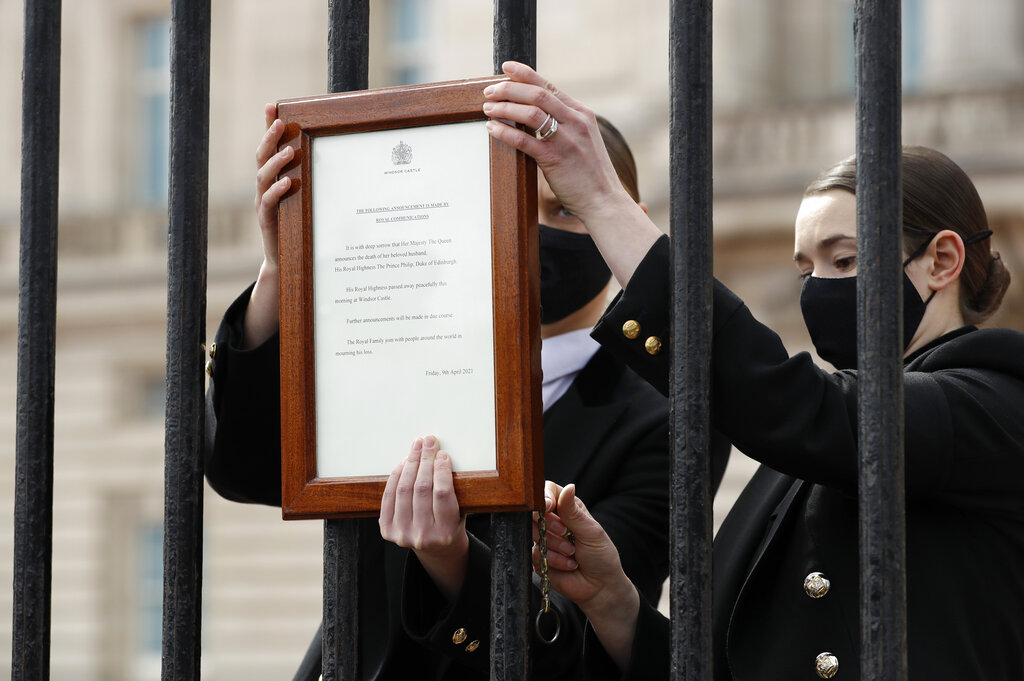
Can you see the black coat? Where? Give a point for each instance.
(964, 443)
(608, 434)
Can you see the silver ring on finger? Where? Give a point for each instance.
(546, 129)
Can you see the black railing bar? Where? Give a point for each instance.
(515, 38)
(691, 214)
(348, 59)
(511, 538)
(515, 32)
(341, 600)
(348, 45)
(37, 320)
(880, 342)
(186, 329)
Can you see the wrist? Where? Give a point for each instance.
(613, 616)
(623, 233)
(614, 602)
(261, 315)
(446, 565)
(607, 206)
(457, 548)
(269, 272)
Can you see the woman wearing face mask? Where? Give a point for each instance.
(785, 572)
(426, 611)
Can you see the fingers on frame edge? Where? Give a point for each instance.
(387, 499)
(514, 137)
(267, 146)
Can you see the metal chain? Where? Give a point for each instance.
(545, 580)
(545, 584)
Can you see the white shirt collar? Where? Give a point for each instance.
(561, 358)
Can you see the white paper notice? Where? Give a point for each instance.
(402, 293)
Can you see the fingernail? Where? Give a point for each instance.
(548, 503)
(573, 564)
(489, 90)
(488, 107)
(442, 455)
(429, 441)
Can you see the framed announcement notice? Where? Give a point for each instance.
(409, 300)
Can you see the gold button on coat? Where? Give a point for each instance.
(826, 665)
(213, 351)
(459, 636)
(209, 367)
(816, 585)
(631, 329)
(472, 645)
(653, 345)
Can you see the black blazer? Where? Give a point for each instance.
(964, 443)
(608, 434)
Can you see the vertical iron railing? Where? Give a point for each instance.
(341, 600)
(515, 32)
(186, 329)
(348, 58)
(690, 500)
(37, 320)
(880, 342)
(515, 38)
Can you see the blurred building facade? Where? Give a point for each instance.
(784, 110)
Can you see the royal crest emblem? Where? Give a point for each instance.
(402, 154)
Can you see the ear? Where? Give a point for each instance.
(947, 253)
(643, 207)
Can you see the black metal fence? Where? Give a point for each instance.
(37, 318)
(186, 331)
(883, 613)
(880, 342)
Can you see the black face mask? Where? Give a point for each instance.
(572, 272)
(829, 307)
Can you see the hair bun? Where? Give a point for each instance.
(990, 294)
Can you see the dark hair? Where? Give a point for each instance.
(622, 157)
(938, 195)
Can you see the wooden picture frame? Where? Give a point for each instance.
(516, 481)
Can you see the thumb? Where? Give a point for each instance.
(573, 512)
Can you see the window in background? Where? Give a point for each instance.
(143, 398)
(132, 579)
(150, 584)
(153, 402)
(152, 91)
(912, 12)
(407, 31)
(147, 600)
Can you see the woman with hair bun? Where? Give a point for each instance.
(786, 570)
